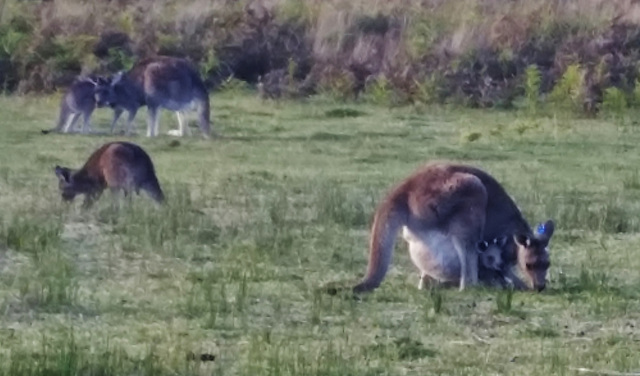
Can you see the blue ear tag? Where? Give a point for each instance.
(541, 229)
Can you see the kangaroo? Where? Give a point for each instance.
(444, 210)
(120, 166)
(82, 97)
(159, 82)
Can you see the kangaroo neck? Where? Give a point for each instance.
(505, 223)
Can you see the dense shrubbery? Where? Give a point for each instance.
(575, 53)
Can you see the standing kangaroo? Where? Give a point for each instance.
(82, 97)
(120, 166)
(159, 82)
(444, 210)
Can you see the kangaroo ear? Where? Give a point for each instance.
(522, 240)
(116, 78)
(63, 174)
(90, 79)
(544, 231)
(482, 246)
(501, 241)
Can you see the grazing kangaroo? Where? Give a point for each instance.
(159, 82)
(444, 210)
(120, 166)
(82, 97)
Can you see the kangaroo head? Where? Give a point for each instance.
(66, 183)
(105, 92)
(533, 254)
(490, 253)
(102, 91)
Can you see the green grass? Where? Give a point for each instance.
(261, 224)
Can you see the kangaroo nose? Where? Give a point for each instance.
(541, 287)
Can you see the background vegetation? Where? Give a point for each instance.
(478, 53)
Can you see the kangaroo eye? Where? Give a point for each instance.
(531, 266)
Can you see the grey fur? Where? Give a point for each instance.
(81, 99)
(159, 82)
(494, 263)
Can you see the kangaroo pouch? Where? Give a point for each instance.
(434, 254)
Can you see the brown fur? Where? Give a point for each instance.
(119, 166)
(445, 210)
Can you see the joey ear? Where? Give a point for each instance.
(483, 246)
(501, 241)
(63, 174)
(544, 231)
(522, 240)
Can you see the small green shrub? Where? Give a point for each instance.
(532, 81)
(209, 64)
(427, 90)
(635, 97)
(120, 59)
(568, 93)
(504, 301)
(337, 84)
(379, 91)
(614, 102)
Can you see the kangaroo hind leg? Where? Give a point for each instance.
(152, 120)
(466, 226)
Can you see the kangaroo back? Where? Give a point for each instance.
(502, 215)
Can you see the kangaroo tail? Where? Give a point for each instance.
(62, 119)
(387, 222)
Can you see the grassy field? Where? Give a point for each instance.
(261, 221)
